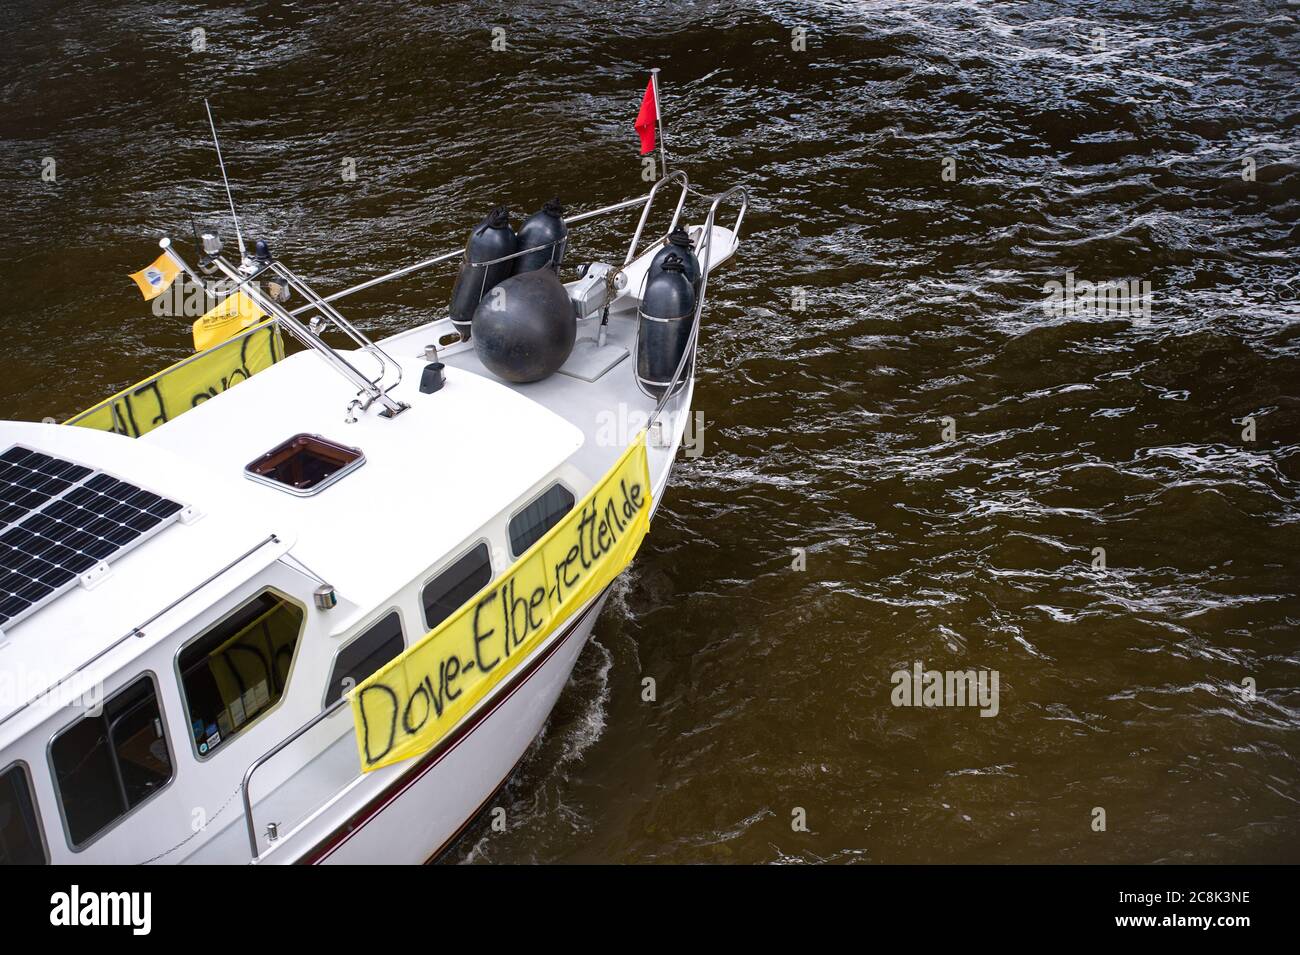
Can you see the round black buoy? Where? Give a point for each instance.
(524, 328)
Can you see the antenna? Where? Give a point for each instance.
(220, 162)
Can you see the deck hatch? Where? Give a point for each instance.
(60, 519)
(306, 464)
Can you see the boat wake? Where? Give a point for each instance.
(534, 797)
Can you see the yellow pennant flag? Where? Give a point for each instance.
(229, 317)
(156, 278)
(409, 704)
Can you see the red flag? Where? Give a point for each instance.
(646, 118)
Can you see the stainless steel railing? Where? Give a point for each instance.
(706, 252)
(266, 757)
(580, 217)
(649, 200)
(374, 389)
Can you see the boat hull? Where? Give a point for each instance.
(427, 807)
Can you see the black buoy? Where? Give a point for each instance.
(679, 244)
(491, 239)
(544, 228)
(664, 325)
(524, 328)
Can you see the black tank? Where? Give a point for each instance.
(664, 326)
(544, 228)
(679, 244)
(491, 239)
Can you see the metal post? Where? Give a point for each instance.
(222, 163)
(166, 245)
(659, 118)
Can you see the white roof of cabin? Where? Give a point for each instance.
(45, 647)
(433, 476)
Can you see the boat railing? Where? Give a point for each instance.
(139, 629)
(374, 388)
(645, 202)
(649, 201)
(262, 761)
(705, 257)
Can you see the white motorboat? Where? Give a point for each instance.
(200, 577)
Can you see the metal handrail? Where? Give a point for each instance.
(458, 253)
(649, 200)
(515, 255)
(138, 630)
(305, 336)
(689, 352)
(266, 757)
(370, 283)
(329, 311)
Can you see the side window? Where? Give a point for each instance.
(545, 511)
(106, 765)
(237, 671)
(366, 654)
(444, 594)
(20, 831)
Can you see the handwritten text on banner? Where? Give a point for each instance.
(406, 707)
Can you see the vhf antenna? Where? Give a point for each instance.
(243, 255)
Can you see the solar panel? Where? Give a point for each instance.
(60, 519)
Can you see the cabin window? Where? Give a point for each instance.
(364, 655)
(106, 765)
(20, 830)
(445, 594)
(545, 511)
(237, 671)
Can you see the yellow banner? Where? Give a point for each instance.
(228, 317)
(154, 278)
(175, 390)
(406, 707)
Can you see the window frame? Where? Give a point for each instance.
(152, 677)
(362, 630)
(293, 664)
(445, 565)
(22, 766)
(533, 499)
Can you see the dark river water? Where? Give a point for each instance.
(1098, 504)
